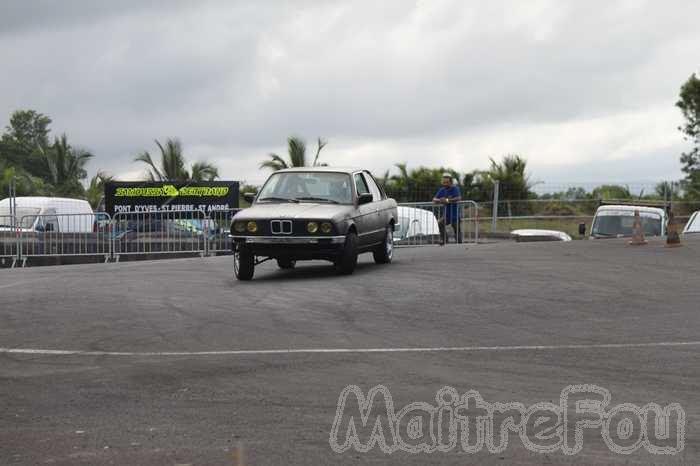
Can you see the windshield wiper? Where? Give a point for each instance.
(5, 226)
(606, 235)
(312, 198)
(283, 199)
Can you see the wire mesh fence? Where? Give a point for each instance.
(173, 232)
(199, 233)
(219, 240)
(428, 223)
(9, 238)
(62, 235)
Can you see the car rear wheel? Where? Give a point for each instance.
(286, 263)
(385, 253)
(345, 264)
(243, 263)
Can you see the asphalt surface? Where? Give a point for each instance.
(535, 318)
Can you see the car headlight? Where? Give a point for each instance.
(312, 227)
(326, 227)
(252, 227)
(239, 227)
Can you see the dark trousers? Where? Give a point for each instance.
(455, 227)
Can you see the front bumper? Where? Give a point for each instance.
(289, 239)
(292, 247)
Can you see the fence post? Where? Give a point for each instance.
(494, 220)
(476, 231)
(13, 220)
(206, 226)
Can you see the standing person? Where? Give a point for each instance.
(449, 196)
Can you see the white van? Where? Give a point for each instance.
(693, 225)
(617, 221)
(40, 214)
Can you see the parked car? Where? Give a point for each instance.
(48, 214)
(321, 213)
(693, 225)
(617, 221)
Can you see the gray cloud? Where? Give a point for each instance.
(426, 82)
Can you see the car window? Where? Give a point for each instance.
(319, 186)
(373, 188)
(622, 224)
(360, 184)
(48, 218)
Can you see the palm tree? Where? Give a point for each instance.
(296, 149)
(173, 167)
(95, 190)
(65, 167)
(512, 177)
(25, 183)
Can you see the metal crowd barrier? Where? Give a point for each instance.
(9, 239)
(191, 232)
(427, 223)
(171, 232)
(218, 240)
(63, 235)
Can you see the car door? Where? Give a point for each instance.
(381, 218)
(365, 221)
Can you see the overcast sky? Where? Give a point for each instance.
(584, 90)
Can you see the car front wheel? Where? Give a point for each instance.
(385, 253)
(345, 264)
(243, 263)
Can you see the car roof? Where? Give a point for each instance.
(632, 208)
(348, 170)
(40, 201)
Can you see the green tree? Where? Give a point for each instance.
(416, 185)
(296, 152)
(96, 188)
(511, 174)
(173, 166)
(25, 142)
(689, 104)
(64, 166)
(609, 192)
(25, 184)
(667, 190)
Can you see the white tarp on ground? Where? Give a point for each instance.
(541, 235)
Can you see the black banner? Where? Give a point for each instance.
(169, 196)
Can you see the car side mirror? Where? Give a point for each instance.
(249, 197)
(582, 229)
(365, 198)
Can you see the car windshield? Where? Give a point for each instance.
(307, 187)
(614, 224)
(25, 216)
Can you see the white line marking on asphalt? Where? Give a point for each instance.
(24, 282)
(439, 349)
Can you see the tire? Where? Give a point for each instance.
(385, 253)
(243, 264)
(286, 264)
(345, 264)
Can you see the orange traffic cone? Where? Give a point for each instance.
(638, 235)
(673, 237)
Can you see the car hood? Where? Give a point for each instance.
(307, 211)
